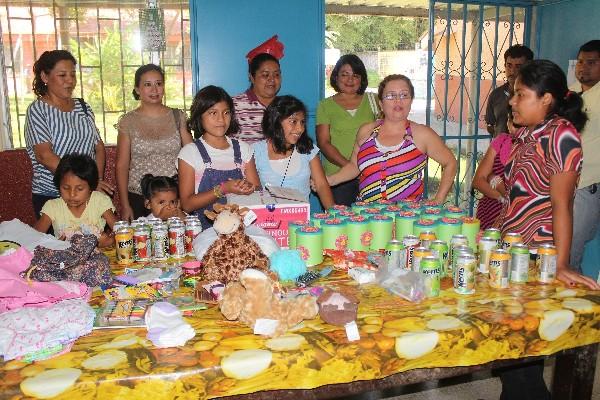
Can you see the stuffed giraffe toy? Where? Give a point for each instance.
(234, 250)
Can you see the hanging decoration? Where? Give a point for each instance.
(152, 29)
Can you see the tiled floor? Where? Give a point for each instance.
(474, 387)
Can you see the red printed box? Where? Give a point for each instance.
(274, 210)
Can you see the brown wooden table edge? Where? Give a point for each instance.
(573, 379)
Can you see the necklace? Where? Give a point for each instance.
(287, 166)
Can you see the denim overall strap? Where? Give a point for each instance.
(213, 177)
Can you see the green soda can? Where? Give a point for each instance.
(495, 234)
(464, 275)
(519, 263)
(395, 254)
(431, 271)
(439, 248)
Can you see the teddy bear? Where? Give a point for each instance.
(254, 298)
(234, 250)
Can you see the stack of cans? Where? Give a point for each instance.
(151, 239)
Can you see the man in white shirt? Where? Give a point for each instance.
(586, 208)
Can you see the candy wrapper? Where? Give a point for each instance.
(346, 259)
(362, 275)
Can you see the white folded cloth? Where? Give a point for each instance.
(166, 327)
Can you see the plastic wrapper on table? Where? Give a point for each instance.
(404, 283)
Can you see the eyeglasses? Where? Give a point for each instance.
(397, 96)
(347, 76)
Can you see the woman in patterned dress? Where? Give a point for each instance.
(543, 169)
(390, 155)
(149, 140)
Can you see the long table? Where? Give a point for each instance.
(400, 343)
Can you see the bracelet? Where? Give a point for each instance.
(495, 181)
(217, 191)
(222, 188)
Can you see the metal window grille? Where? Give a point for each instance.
(104, 39)
(467, 41)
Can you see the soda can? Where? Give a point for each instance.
(546, 263)
(439, 249)
(152, 220)
(431, 271)
(499, 269)
(418, 255)
(174, 221)
(410, 242)
(533, 271)
(486, 245)
(395, 254)
(120, 224)
(141, 244)
(426, 237)
(177, 240)
(456, 250)
(457, 240)
(160, 242)
(519, 263)
(192, 228)
(511, 238)
(464, 276)
(124, 245)
(495, 234)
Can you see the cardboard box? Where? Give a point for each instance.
(274, 209)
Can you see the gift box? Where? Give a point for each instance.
(275, 210)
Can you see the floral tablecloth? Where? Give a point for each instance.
(225, 358)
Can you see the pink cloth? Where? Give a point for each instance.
(502, 144)
(16, 292)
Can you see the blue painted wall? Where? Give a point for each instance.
(564, 26)
(222, 32)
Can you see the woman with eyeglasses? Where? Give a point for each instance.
(390, 155)
(265, 81)
(340, 116)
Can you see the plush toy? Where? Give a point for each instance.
(337, 308)
(288, 264)
(254, 298)
(234, 250)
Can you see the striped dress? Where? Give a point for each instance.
(68, 132)
(393, 175)
(488, 209)
(551, 148)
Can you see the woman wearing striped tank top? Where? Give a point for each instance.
(390, 155)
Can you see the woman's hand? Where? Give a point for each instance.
(571, 278)
(104, 186)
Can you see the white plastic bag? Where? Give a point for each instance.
(26, 236)
(404, 283)
(267, 244)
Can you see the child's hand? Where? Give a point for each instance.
(168, 211)
(238, 186)
(106, 240)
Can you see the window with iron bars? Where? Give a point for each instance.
(104, 38)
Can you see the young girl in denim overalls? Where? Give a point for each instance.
(214, 164)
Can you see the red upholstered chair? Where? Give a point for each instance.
(15, 179)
